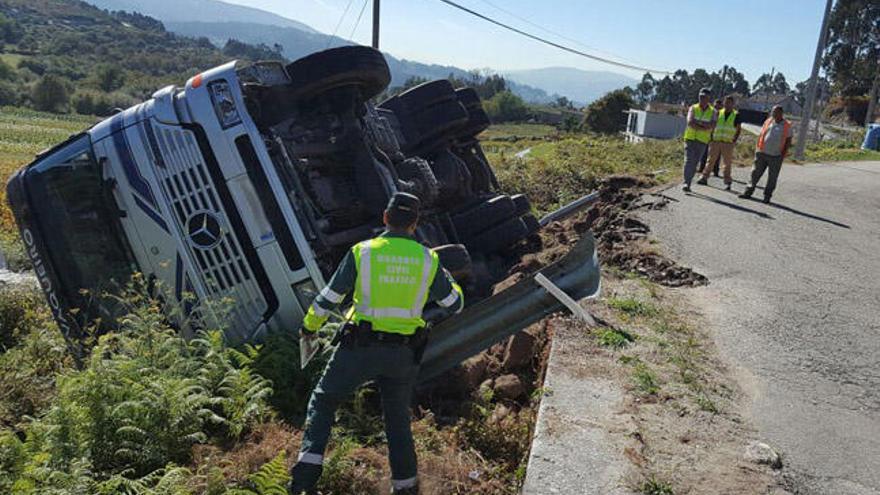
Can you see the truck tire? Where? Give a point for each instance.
(499, 237)
(434, 126)
(344, 66)
(417, 172)
(456, 260)
(485, 214)
(427, 94)
(523, 206)
(478, 119)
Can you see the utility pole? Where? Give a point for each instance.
(811, 87)
(376, 24)
(872, 101)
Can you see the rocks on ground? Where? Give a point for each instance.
(761, 453)
(509, 387)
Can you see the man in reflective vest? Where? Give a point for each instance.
(390, 278)
(773, 144)
(700, 122)
(724, 137)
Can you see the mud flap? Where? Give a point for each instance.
(480, 326)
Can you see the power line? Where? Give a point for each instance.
(338, 24)
(358, 21)
(555, 33)
(553, 44)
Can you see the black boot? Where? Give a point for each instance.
(766, 200)
(747, 194)
(304, 479)
(413, 490)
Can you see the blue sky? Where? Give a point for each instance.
(751, 35)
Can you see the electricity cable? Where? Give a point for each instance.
(358, 21)
(557, 34)
(338, 24)
(552, 43)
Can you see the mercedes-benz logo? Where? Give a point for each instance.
(204, 230)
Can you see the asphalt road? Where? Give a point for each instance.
(794, 305)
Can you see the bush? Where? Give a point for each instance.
(101, 104)
(109, 77)
(28, 370)
(505, 107)
(50, 94)
(606, 115)
(8, 94)
(7, 72)
(144, 397)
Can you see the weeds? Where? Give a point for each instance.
(633, 307)
(614, 338)
(645, 379)
(654, 486)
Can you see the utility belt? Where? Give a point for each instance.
(362, 334)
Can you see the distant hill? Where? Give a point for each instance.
(194, 18)
(200, 11)
(67, 55)
(582, 86)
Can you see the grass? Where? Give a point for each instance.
(654, 486)
(563, 169)
(645, 379)
(518, 131)
(633, 307)
(614, 338)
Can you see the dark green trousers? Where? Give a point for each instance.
(394, 370)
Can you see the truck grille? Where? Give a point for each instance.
(190, 192)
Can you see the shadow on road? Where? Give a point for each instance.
(733, 206)
(745, 183)
(810, 215)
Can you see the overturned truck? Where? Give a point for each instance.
(251, 182)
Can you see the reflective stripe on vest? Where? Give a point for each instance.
(725, 129)
(786, 132)
(394, 276)
(701, 135)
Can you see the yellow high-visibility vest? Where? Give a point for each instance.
(701, 135)
(725, 128)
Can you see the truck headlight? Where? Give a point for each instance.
(224, 104)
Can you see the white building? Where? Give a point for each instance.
(642, 124)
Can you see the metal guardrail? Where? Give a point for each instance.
(569, 209)
(479, 327)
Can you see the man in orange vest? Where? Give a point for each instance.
(773, 144)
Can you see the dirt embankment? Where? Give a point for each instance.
(621, 239)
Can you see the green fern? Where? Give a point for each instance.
(270, 479)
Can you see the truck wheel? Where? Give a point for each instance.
(434, 125)
(427, 94)
(523, 206)
(500, 237)
(455, 259)
(478, 119)
(417, 172)
(483, 215)
(344, 66)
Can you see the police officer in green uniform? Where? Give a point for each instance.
(391, 278)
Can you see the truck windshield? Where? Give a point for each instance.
(77, 217)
